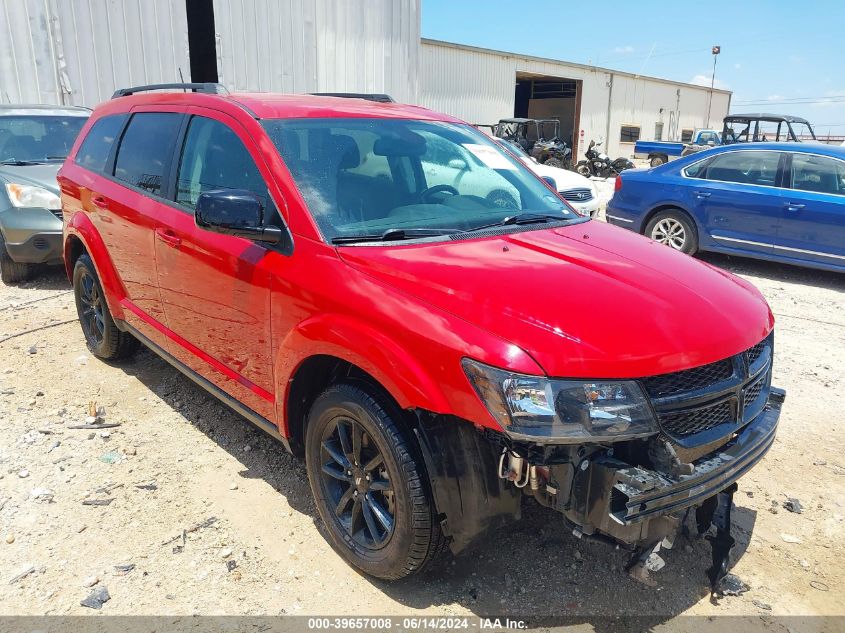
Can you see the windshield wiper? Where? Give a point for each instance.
(391, 235)
(520, 218)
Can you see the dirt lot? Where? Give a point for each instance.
(217, 519)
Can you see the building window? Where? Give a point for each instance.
(629, 134)
(658, 131)
(686, 136)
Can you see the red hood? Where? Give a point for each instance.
(586, 300)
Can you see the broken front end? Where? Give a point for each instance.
(623, 461)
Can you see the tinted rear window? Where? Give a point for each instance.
(94, 151)
(146, 149)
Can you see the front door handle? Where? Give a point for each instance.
(701, 195)
(168, 237)
(792, 206)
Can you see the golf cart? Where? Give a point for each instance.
(539, 138)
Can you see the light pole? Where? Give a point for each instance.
(716, 51)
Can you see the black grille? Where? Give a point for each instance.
(753, 392)
(689, 379)
(755, 352)
(40, 243)
(577, 195)
(727, 392)
(686, 423)
(57, 213)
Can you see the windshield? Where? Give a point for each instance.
(37, 138)
(803, 131)
(362, 177)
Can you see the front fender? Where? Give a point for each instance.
(364, 346)
(80, 227)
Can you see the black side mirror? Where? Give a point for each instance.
(234, 212)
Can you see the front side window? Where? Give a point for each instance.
(145, 149)
(747, 167)
(368, 176)
(213, 157)
(37, 138)
(95, 149)
(820, 174)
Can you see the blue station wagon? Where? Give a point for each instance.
(777, 201)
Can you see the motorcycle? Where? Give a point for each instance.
(599, 164)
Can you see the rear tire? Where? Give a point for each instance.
(12, 272)
(656, 161)
(554, 162)
(381, 517)
(673, 228)
(102, 336)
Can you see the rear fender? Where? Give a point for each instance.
(373, 351)
(81, 228)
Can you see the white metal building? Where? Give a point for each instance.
(79, 51)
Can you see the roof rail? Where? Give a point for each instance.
(208, 88)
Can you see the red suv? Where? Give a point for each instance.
(395, 297)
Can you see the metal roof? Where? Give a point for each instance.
(18, 109)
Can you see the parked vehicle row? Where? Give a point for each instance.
(777, 201)
(34, 141)
(341, 273)
(737, 128)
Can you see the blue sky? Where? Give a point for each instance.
(776, 56)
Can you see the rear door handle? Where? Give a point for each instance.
(100, 202)
(791, 206)
(702, 194)
(168, 237)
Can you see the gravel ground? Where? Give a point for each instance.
(184, 508)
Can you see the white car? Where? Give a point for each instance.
(578, 191)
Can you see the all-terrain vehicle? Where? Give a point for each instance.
(539, 137)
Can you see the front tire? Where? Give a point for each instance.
(11, 272)
(583, 169)
(102, 336)
(554, 162)
(674, 229)
(369, 483)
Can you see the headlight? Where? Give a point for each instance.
(567, 411)
(31, 196)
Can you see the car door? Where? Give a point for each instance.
(738, 199)
(813, 213)
(216, 288)
(124, 205)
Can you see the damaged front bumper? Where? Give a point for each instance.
(634, 505)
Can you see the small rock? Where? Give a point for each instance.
(10, 538)
(230, 565)
(761, 605)
(732, 585)
(793, 505)
(54, 446)
(820, 462)
(33, 350)
(789, 538)
(90, 581)
(105, 434)
(654, 562)
(41, 495)
(226, 552)
(233, 486)
(688, 549)
(124, 568)
(577, 555)
(805, 563)
(23, 473)
(129, 450)
(97, 598)
(247, 448)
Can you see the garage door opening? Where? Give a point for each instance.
(543, 97)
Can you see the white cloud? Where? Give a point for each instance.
(623, 49)
(704, 80)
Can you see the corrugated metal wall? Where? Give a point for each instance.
(477, 85)
(78, 52)
(319, 45)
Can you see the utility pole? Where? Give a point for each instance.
(716, 51)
